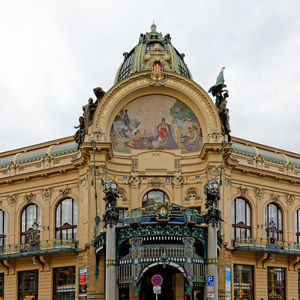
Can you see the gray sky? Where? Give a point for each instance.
(53, 53)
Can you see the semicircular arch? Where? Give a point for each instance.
(176, 86)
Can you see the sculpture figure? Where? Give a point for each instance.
(88, 115)
(221, 94)
(80, 133)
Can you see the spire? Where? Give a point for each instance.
(153, 27)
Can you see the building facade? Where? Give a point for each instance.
(161, 137)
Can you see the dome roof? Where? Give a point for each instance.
(152, 49)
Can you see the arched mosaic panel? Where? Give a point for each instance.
(156, 122)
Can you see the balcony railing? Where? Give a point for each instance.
(265, 245)
(36, 247)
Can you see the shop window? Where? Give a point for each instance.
(297, 224)
(1, 286)
(2, 228)
(30, 220)
(64, 283)
(154, 196)
(28, 285)
(243, 282)
(276, 283)
(273, 222)
(66, 220)
(241, 219)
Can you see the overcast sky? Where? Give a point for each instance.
(53, 53)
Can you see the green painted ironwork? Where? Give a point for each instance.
(263, 245)
(38, 247)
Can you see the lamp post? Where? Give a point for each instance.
(110, 218)
(213, 217)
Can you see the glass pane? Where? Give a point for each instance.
(233, 213)
(248, 210)
(74, 213)
(5, 225)
(58, 220)
(66, 212)
(240, 211)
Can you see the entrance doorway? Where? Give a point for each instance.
(171, 289)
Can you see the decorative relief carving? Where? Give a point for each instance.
(66, 191)
(275, 197)
(192, 195)
(259, 193)
(290, 199)
(242, 190)
(122, 196)
(98, 134)
(155, 182)
(134, 165)
(101, 172)
(134, 180)
(213, 172)
(47, 193)
(12, 199)
(177, 165)
(215, 136)
(178, 180)
(29, 197)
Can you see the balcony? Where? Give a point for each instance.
(36, 247)
(262, 245)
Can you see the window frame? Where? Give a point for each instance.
(62, 227)
(146, 203)
(241, 225)
(278, 236)
(3, 229)
(28, 234)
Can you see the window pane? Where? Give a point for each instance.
(66, 211)
(74, 213)
(248, 215)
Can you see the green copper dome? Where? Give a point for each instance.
(153, 50)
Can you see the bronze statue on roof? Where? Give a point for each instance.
(220, 95)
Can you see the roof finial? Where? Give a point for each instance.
(153, 27)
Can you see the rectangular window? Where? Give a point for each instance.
(64, 283)
(276, 283)
(1, 286)
(243, 282)
(28, 282)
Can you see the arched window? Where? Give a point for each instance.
(297, 225)
(30, 219)
(154, 196)
(273, 222)
(2, 228)
(241, 219)
(66, 220)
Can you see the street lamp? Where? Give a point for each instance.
(110, 186)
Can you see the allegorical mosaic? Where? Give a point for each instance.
(156, 122)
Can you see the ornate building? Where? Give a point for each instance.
(163, 140)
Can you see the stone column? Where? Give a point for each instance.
(111, 271)
(212, 268)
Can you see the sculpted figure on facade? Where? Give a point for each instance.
(290, 199)
(80, 133)
(192, 195)
(259, 193)
(29, 197)
(221, 95)
(12, 199)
